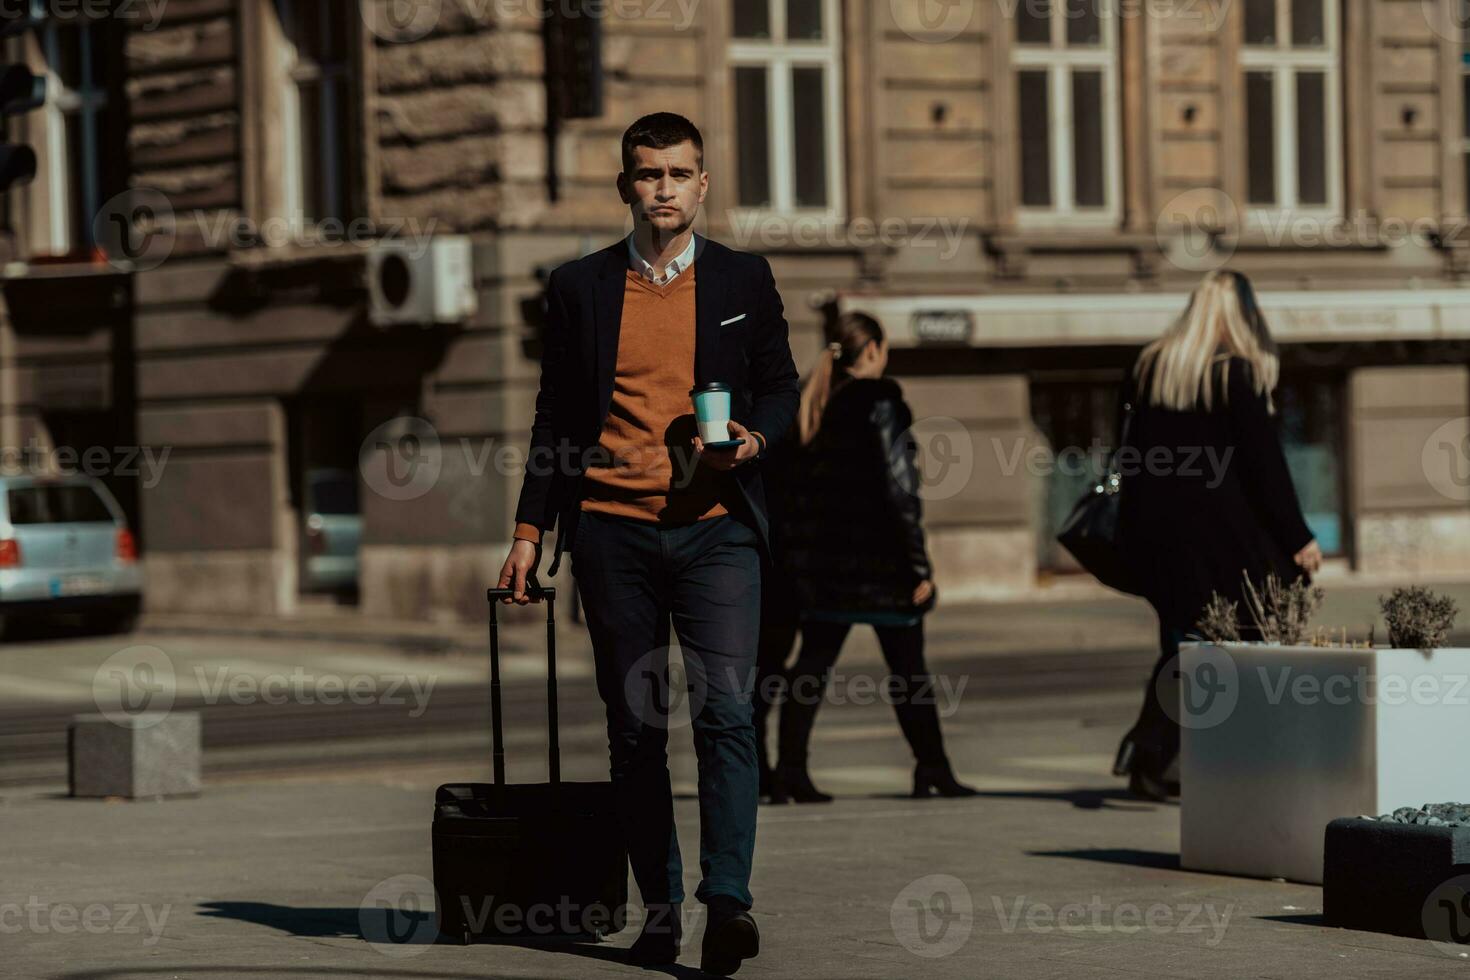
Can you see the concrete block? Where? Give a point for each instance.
(1396, 878)
(143, 755)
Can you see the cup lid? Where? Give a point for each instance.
(709, 386)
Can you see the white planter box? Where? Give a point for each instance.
(1277, 741)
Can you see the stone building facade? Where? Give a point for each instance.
(1021, 194)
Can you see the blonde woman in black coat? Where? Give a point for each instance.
(1215, 501)
(853, 546)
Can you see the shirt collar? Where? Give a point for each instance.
(675, 266)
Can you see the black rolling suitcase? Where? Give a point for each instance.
(542, 860)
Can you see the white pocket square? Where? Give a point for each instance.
(733, 319)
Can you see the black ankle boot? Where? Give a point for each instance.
(793, 784)
(730, 936)
(939, 777)
(658, 943)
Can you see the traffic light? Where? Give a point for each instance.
(21, 90)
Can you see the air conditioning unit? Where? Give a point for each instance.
(423, 282)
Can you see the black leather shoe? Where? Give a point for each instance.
(938, 778)
(793, 784)
(730, 936)
(658, 943)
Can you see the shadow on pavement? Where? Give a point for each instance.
(1118, 855)
(1300, 919)
(1082, 799)
(214, 970)
(345, 923)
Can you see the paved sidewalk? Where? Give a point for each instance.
(1053, 872)
(1076, 615)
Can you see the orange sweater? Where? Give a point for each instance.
(645, 467)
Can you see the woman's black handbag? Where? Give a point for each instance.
(1091, 531)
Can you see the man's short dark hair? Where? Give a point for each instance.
(661, 130)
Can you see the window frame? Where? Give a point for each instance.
(272, 188)
(779, 56)
(1284, 62)
(1058, 59)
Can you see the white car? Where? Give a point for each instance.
(65, 547)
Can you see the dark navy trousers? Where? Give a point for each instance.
(635, 578)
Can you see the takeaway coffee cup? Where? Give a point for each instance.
(712, 411)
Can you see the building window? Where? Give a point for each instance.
(786, 84)
(77, 134)
(1065, 68)
(317, 109)
(1291, 100)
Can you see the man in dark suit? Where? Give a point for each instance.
(659, 526)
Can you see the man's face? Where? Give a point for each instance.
(664, 188)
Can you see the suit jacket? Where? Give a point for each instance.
(740, 339)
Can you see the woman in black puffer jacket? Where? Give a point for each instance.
(852, 545)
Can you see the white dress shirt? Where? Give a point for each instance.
(676, 265)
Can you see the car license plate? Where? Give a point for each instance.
(66, 585)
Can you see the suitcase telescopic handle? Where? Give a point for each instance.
(548, 594)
